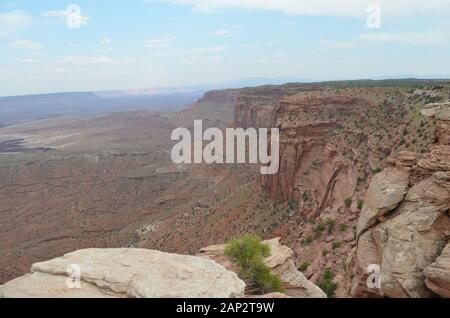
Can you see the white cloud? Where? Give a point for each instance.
(204, 50)
(417, 38)
(265, 61)
(72, 12)
(289, 24)
(228, 33)
(26, 45)
(164, 41)
(11, 22)
(88, 60)
(58, 70)
(25, 61)
(334, 45)
(225, 33)
(189, 60)
(343, 8)
(105, 41)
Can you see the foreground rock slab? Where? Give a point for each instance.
(127, 272)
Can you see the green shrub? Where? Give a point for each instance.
(336, 244)
(304, 266)
(307, 240)
(264, 279)
(360, 204)
(330, 225)
(348, 202)
(343, 227)
(326, 283)
(248, 253)
(318, 229)
(245, 250)
(324, 252)
(376, 170)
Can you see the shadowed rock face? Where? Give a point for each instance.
(127, 273)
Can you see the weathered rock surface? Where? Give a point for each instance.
(385, 192)
(407, 242)
(127, 272)
(441, 112)
(280, 262)
(438, 274)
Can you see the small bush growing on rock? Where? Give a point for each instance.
(348, 202)
(249, 252)
(324, 252)
(376, 170)
(264, 279)
(326, 283)
(330, 225)
(336, 244)
(307, 240)
(304, 266)
(360, 204)
(343, 227)
(318, 229)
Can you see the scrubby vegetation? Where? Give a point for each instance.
(248, 253)
(326, 283)
(330, 225)
(343, 227)
(336, 244)
(304, 266)
(348, 202)
(360, 204)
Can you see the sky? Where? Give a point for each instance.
(90, 45)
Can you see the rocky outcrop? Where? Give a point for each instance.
(385, 192)
(280, 262)
(440, 111)
(126, 272)
(438, 274)
(408, 242)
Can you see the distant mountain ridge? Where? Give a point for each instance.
(14, 109)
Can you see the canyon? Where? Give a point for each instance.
(363, 179)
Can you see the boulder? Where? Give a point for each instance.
(385, 192)
(438, 274)
(407, 242)
(127, 272)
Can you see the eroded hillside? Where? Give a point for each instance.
(115, 186)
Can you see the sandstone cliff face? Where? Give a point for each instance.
(313, 170)
(405, 223)
(333, 142)
(310, 165)
(136, 273)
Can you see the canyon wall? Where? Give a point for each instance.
(405, 223)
